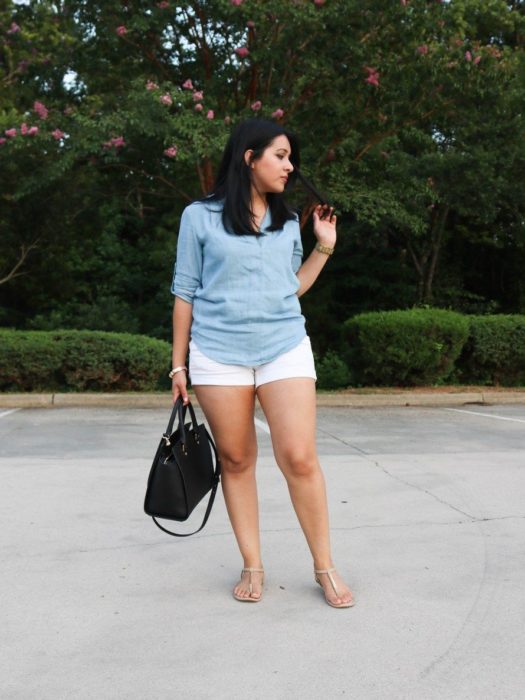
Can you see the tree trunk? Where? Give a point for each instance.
(426, 260)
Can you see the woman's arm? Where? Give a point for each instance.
(310, 270)
(324, 230)
(182, 316)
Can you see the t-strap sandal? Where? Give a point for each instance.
(249, 599)
(329, 572)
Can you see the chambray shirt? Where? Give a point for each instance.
(243, 288)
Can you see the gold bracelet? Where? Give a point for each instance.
(324, 248)
(177, 369)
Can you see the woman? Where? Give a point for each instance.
(237, 283)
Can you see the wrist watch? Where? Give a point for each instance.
(324, 248)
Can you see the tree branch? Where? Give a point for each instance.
(24, 252)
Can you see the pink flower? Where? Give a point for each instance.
(256, 106)
(187, 84)
(163, 5)
(23, 129)
(150, 85)
(32, 131)
(477, 60)
(57, 134)
(2, 141)
(171, 152)
(468, 56)
(373, 76)
(14, 28)
(115, 142)
(423, 49)
(198, 95)
(404, 3)
(242, 52)
(198, 107)
(121, 31)
(211, 114)
(166, 99)
(11, 133)
(278, 113)
(40, 109)
(250, 24)
(319, 2)
(236, 2)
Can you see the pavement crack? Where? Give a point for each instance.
(366, 456)
(420, 488)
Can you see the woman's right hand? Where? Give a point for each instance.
(178, 386)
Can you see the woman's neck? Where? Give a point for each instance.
(259, 202)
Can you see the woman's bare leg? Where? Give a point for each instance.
(229, 411)
(290, 408)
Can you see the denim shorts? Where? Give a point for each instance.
(297, 362)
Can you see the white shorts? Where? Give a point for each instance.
(297, 362)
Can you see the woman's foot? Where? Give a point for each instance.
(336, 592)
(249, 588)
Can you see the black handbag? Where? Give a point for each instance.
(183, 471)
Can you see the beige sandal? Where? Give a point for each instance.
(249, 599)
(329, 572)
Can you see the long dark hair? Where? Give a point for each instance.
(233, 183)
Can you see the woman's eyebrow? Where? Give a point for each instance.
(283, 149)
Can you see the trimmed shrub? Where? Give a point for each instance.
(72, 360)
(404, 348)
(495, 351)
(332, 372)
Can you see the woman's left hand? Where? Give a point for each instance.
(324, 225)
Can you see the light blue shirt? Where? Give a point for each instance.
(243, 288)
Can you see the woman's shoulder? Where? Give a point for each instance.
(202, 208)
(296, 214)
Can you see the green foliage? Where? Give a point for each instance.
(81, 361)
(332, 372)
(495, 351)
(424, 162)
(404, 348)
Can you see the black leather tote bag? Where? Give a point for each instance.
(185, 468)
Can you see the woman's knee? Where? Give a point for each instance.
(236, 462)
(299, 464)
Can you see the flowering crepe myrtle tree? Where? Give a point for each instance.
(407, 112)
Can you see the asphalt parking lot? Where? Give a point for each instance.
(428, 521)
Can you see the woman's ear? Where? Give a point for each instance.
(248, 157)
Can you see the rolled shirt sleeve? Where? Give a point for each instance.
(187, 273)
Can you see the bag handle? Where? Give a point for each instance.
(179, 409)
(216, 473)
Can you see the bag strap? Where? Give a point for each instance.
(217, 476)
(176, 410)
(179, 409)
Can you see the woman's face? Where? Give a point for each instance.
(270, 172)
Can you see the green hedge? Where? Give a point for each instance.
(404, 348)
(495, 351)
(332, 371)
(72, 360)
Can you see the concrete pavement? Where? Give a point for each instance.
(428, 527)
